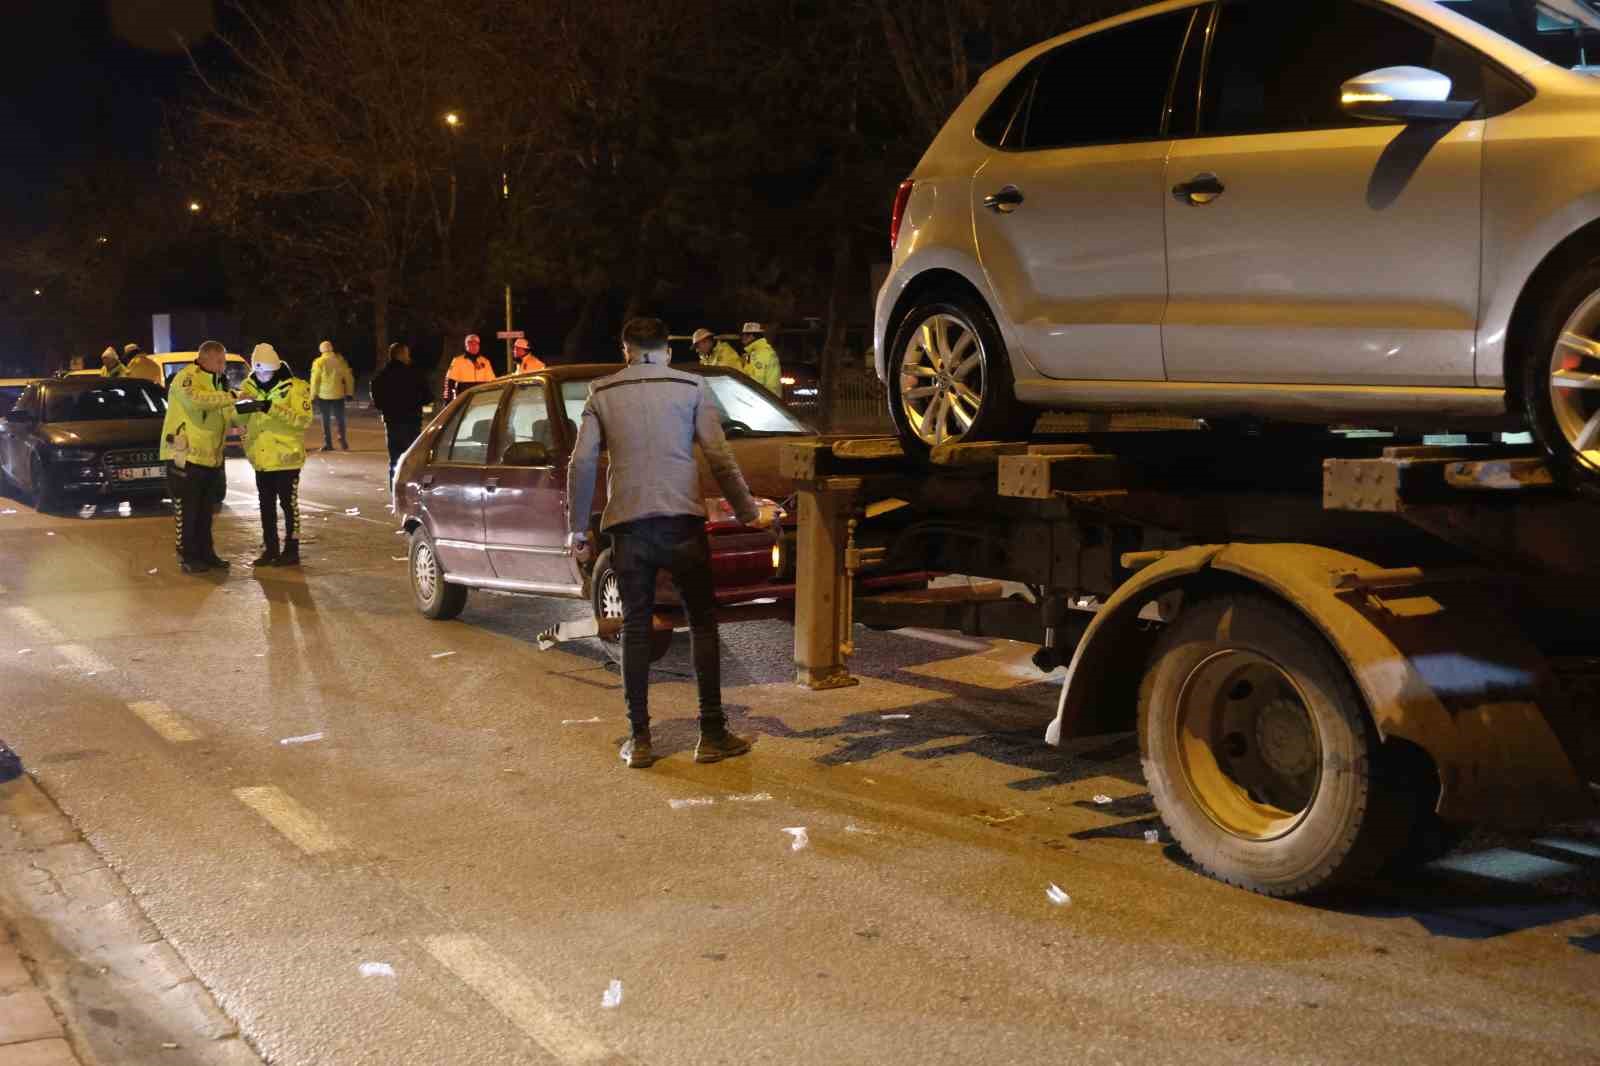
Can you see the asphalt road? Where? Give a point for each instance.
(379, 839)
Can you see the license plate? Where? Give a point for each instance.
(140, 473)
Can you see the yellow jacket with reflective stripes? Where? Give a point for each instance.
(763, 366)
(724, 355)
(199, 411)
(275, 439)
(331, 377)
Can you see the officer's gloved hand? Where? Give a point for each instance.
(250, 407)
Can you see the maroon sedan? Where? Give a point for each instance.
(483, 495)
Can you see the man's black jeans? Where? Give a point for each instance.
(640, 550)
(400, 434)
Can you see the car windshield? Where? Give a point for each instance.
(1566, 32)
(8, 396)
(104, 403)
(747, 410)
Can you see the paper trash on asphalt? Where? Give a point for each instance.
(611, 999)
(751, 797)
(442, 654)
(697, 801)
(352, 511)
(397, 559)
(376, 969)
(307, 739)
(863, 830)
(580, 721)
(802, 840)
(24, 651)
(153, 571)
(894, 717)
(1058, 896)
(1101, 799)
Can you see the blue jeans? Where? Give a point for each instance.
(640, 550)
(330, 410)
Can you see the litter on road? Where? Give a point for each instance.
(697, 801)
(862, 830)
(153, 570)
(751, 797)
(1102, 800)
(580, 721)
(1058, 896)
(895, 717)
(802, 839)
(352, 511)
(398, 559)
(307, 739)
(612, 997)
(442, 654)
(376, 969)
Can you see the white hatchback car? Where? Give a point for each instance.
(1362, 211)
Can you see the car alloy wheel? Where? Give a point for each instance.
(425, 572)
(944, 372)
(1575, 383)
(610, 596)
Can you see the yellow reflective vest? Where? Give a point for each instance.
(724, 355)
(275, 439)
(331, 377)
(199, 412)
(145, 369)
(763, 366)
(116, 371)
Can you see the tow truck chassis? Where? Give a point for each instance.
(1331, 649)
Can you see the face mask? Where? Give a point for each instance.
(264, 374)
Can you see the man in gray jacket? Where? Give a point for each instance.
(649, 418)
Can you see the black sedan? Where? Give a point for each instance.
(85, 436)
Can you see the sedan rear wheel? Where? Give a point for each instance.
(1561, 379)
(950, 378)
(435, 597)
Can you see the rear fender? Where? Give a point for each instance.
(1438, 663)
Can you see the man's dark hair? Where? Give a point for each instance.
(130, 350)
(398, 346)
(645, 334)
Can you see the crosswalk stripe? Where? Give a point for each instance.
(166, 722)
(285, 814)
(523, 999)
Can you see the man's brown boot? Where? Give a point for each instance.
(716, 745)
(636, 752)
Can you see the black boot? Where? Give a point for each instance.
(636, 752)
(290, 555)
(269, 556)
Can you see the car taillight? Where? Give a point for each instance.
(902, 197)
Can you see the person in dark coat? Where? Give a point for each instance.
(399, 391)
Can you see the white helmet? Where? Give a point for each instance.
(752, 327)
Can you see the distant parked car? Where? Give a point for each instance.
(86, 437)
(235, 371)
(1332, 211)
(482, 493)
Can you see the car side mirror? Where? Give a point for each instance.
(1405, 94)
(526, 453)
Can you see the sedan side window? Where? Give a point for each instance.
(471, 441)
(1107, 88)
(529, 420)
(1277, 67)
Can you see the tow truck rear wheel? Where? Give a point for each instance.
(1259, 751)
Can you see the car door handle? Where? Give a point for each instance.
(1005, 201)
(492, 484)
(1199, 190)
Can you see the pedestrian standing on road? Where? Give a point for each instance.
(399, 392)
(332, 383)
(275, 444)
(140, 365)
(467, 369)
(110, 365)
(527, 362)
(713, 352)
(649, 418)
(199, 411)
(761, 360)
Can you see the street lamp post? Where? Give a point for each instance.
(453, 120)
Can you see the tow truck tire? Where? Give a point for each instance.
(1258, 751)
(436, 598)
(984, 371)
(605, 597)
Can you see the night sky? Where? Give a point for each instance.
(86, 80)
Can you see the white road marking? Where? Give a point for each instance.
(285, 814)
(935, 637)
(166, 722)
(524, 1000)
(84, 659)
(35, 623)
